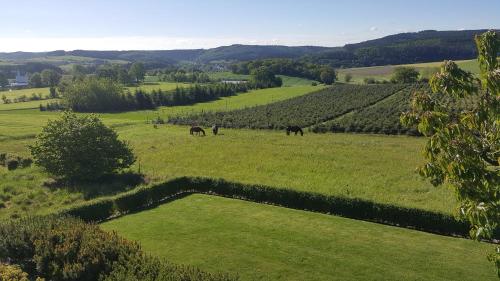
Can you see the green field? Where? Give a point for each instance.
(385, 72)
(379, 168)
(27, 92)
(164, 86)
(261, 242)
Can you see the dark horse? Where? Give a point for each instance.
(197, 130)
(295, 129)
(215, 129)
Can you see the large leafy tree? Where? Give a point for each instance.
(80, 148)
(463, 147)
(50, 77)
(137, 71)
(405, 75)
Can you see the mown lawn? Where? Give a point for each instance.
(261, 242)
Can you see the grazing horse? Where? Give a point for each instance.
(197, 130)
(295, 129)
(215, 129)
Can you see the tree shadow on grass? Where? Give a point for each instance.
(105, 186)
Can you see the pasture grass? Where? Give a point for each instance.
(12, 94)
(262, 242)
(380, 73)
(373, 167)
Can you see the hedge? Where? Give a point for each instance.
(354, 208)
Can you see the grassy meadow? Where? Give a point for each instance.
(385, 72)
(373, 167)
(261, 242)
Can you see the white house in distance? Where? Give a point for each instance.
(21, 80)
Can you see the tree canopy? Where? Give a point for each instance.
(80, 148)
(463, 148)
(405, 75)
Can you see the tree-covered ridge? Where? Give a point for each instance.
(403, 48)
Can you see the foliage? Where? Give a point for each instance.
(179, 75)
(93, 95)
(12, 162)
(403, 48)
(287, 67)
(114, 72)
(50, 77)
(63, 248)
(104, 95)
(405, 75)
(262, 78)
(348, 77)
(328, 76)
(464, 147)
(80, 148)
(3, 80)
(302, 111)
(348, 207)
(381, 117)
(35, 80)
(12, 273)
(137, 71)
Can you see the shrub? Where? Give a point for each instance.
(12, 164)
(26, 162)
(80, 148)
(63, 248)
(12, 273)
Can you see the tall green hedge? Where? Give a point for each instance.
(343, 206)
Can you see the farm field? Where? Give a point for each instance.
(27, 92)
(262, 242)
(385, 72)
(164, 86)
(372, 167)
(302, 111)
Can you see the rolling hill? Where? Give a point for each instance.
(403, 48)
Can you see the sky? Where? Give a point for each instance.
(47, 25)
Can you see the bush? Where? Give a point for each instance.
(12, 164)
(12, 273)
(63, 248)
(80, 148)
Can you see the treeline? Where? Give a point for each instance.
(180, 75)
(288, 67)
(303, 111)
(92, 94)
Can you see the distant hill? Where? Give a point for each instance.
(403, 48)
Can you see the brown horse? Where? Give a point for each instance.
(197, 130)
(295, 129)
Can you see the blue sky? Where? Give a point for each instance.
(153, 24)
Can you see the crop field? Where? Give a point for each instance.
(302, 111)
(262, 242)
(381, 117)
(385, 72)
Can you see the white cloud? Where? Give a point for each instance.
(373, 28)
